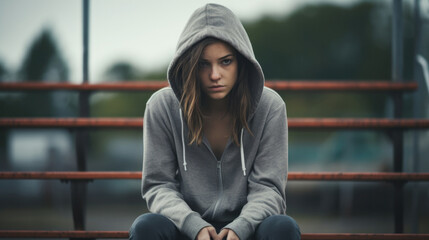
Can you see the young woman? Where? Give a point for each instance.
(215, 142)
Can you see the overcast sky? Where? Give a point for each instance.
(142, 32)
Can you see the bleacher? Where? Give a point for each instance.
(79, 179)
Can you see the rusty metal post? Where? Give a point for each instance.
(79, 188)
(398, 135)
(417, 106)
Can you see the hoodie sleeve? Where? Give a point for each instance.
(160, 187)
(267, 179)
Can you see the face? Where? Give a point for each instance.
(218, 70)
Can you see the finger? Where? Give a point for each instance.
(232, 236)
(212, 233)
(223, 234)
(203, 235)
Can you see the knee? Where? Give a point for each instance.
(147, 226)
(140, 226)
(278, 227)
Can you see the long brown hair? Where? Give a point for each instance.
(186, 73)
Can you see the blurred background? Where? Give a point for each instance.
(134, 40)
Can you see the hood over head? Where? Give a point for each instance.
(217, 21)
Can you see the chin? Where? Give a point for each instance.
(217, 96)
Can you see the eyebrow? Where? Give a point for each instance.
(221, 58)
(229, 55)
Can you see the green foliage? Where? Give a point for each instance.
(327, 42)
(124, 104)
(3, 71)
(119, 104)
(122, 71)
(322, 42)
(157, 75)
(126, 71)
(129, 104)
(42, 56)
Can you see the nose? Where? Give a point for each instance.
(215, 73)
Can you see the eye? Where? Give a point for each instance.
(203, 63)
(226, 61)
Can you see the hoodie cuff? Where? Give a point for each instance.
(241, 227)
(193, 224)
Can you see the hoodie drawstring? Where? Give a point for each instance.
(183, 142)
(243, 164)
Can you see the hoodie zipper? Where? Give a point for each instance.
(220, 185)
(219, 175)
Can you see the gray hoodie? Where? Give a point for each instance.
(187, 183)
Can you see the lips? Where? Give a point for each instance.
(217, 88)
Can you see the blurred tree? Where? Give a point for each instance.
(126, 71)
(4, 163)
(43, 61)
(157, 75)
(122, 71)
(323, 42)
(125, 104)
(327, 42)
(3, 72)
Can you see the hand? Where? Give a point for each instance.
(229, 234)
(207, 233)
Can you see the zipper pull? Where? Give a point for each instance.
(218, 164)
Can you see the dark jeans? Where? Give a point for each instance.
(157, 227)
